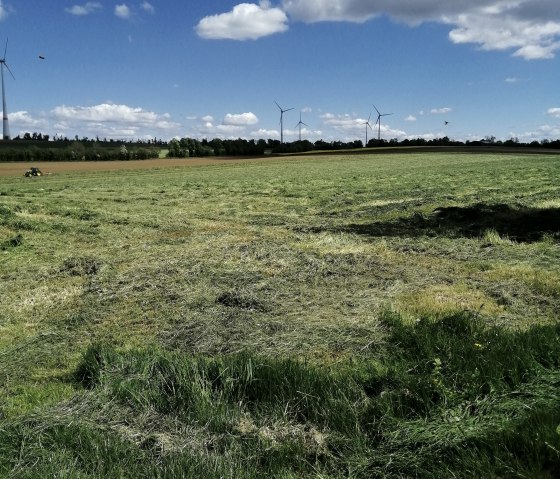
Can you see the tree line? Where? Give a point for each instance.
(190, 147)
(40, 147)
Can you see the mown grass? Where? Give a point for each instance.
(383, 316)
(452, 396)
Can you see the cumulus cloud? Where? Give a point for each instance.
(104, 112)
(105, 121)
(344, 122)
(529, 38)
(410, 118)
(247, 21)
(85, 9)
(123, 11)
(25, 122)
(241, 119)
(554, 112)
(531, 28)
(5, 10)
(265, 134)
(112, 120)
(330, 10)
(349, 127)
(148, 7)
(440, 111)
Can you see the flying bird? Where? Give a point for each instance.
(42, 57)
(446, 122)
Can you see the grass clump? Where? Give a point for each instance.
(453, 396)
(11, 243)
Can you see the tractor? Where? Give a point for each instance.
(33, 171)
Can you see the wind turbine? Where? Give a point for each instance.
(378, 122)
(367, 123)
(282, 121)
(299, 124)
(5, 126)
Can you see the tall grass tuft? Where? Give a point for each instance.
(446, 395)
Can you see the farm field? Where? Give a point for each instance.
(57, 167)
(339, 316)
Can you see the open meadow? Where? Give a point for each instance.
(342, 316)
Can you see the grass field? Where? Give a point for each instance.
(326, 317)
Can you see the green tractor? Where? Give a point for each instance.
(33, 171)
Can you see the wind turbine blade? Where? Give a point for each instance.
(5, 48)
(289, 109)
(376, 110)
(278, 105)
(4, 63)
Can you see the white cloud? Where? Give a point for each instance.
(528, 38)
(541, 133)
(247, 21)
(85, 9)
(241, 119)
(122, 11)
(24, 122)
(5, 10)
(343, 122)
(554, 112)
(349, 127)
(148, 7)
(440, 111)
(265, 134)
(410, 118)
(531, 28)
(312, 11)
(115, 121)
(104, 112)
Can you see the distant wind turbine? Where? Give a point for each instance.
(299, 124)
(368, 125)
(282, 111)
(5, 125)
(378, 122)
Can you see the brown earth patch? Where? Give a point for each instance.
(53, 167)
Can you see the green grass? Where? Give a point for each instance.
(359, 316)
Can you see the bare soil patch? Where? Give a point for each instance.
(53, 167)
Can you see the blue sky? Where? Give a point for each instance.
(215, 68)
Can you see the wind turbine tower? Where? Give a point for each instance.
(368, 125)
(282, 121)
(5, 125)
(378, 122)
(299, 124)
